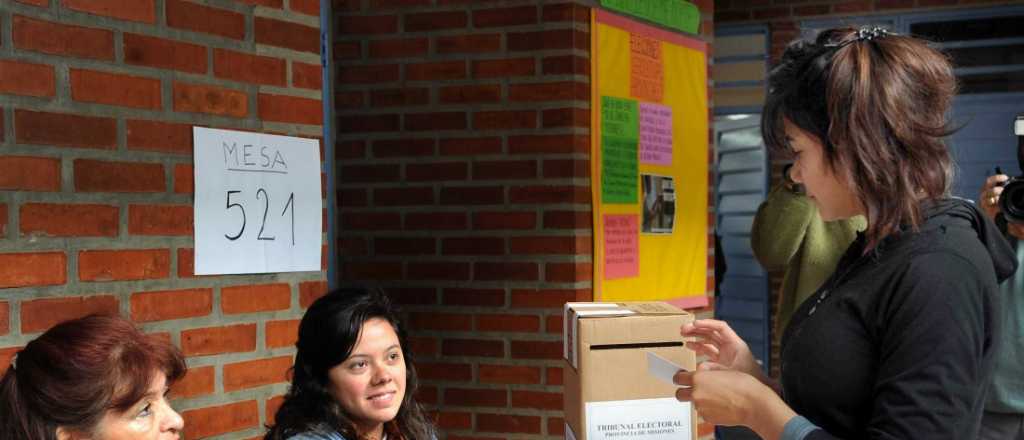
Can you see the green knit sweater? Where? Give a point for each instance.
(788, 234)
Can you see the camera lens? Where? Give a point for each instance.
(1011, 202)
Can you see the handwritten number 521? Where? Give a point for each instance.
(261, 194)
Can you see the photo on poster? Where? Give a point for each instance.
(659, 206)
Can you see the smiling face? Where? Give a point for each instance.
(832, 195)
(370, 384)
(151, 418)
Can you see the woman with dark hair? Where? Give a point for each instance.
(353, 377)
(95, 378)
(898, 342)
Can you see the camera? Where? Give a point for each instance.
(1011, 202)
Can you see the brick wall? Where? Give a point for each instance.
(97, 101)
(464, 186)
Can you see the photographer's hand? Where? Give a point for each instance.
(988, 200)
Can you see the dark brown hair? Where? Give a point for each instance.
(878, 105)
(71, 375)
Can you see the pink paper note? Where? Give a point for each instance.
(655, 134)
(621, 246)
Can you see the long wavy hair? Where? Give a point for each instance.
(76, 372)
(878, 106)
(327, 334)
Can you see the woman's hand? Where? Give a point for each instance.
(988, 200)
(716, 340)
(728, 397)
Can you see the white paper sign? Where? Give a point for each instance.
(258, 205)
(647, 419)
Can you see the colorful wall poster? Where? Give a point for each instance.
(649, 162)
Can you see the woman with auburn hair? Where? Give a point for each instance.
(353, 377)
(92, 378)
(899, 341)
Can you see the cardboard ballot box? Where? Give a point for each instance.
(609, 391)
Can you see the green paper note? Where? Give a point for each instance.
(675, 14)
(620, 137)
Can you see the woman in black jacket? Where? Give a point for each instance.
(899, 341)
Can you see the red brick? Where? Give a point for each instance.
(348, 100)
(548, 298)
(536, 349)
(449, 271)
(256, 69)
(566, 117)
(424, 346)
(348, 50)
(41, 314)
(3, 221)
(308, 7)
(472, 43)
(368, 123)
(115, 89)
(568, 220)
(505, 271)
(504, 169)
(255, 298)
(546, 40)
(133, 10)
(421, 221)
(309, 291)
(171, 304)
(200, 18)
(218, 340)
(843, 8)
(566, 168)
(376, 221)
(186, 263)
(22, 173)
(61, 220)
(505, 119)
(508, 323)
(144, 50)
(549, 194)
(475, 398)
(184, 182)
(370, 173)
(415, 296)
(554, 376)
(473, 246)
(473, 347)
(509, 374)
(353, 246)
(404, 246)
(504, 220)
(504, 68)
(123, 265)
(159, 220)
(288, 35)
(367, 25)
(508, 423)
(470, 195)
(399, 97)
(554, 91)
(34, 127)
(198, 381)
(307, 76)
(42, 3)
(99, 176)
(470, 94)
(563, 12)
(282, 333)
(197, 98)
(434, 71)
(276, 4)
(403, 147)
(376, 271)
(399, 48)
(551, 245)
(434, 21)
(167, 137)
(60, 39)
(33, 269)
(256, 373)
(516, 16)
(435, 121)
(375, 73)
(5, 318)
(568, 272)
(444, 371)
(436, 171)
(272, 405)
(548, 144)
(450, 421)
(807, 10)
(470, 146)
(553, 324)
(537, 400)
(211, 421)
(292, 109)
(770, 13)
(731, 16)
(450, 322)
(27, 79)
(556, 427)
(398, 4)
(566, 65)
(473, 297)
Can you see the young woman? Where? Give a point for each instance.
(898, 342)
(94, 378)
(353, 377)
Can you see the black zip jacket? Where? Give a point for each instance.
(899, 343)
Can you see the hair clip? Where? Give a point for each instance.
(14, 362)
(863, 34)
